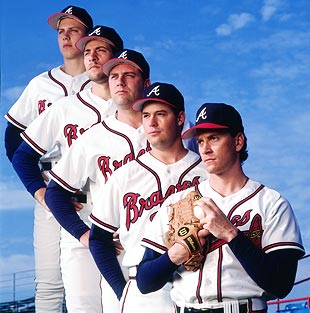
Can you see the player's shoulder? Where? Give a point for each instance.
(265, 194)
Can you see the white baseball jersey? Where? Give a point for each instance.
(262, 214)
(66, 121)
(97, 154)
(41, 92)
(91, 161)
(135, 193)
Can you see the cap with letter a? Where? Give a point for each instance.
(76, 13)
(216, 116)
(161, 92)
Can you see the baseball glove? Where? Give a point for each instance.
(183, 229)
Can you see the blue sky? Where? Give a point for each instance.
(252, 54)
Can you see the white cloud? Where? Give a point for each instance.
(269, 9)
(14, 197)
(235, 22)
(11, 94)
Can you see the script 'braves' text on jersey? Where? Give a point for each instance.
(134, 194)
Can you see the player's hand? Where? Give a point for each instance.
(178, 254)
(45, 177)
(39, 196)
(84, 239)
(215, 221)
(117, 244)
(77, 205)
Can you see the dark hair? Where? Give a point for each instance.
(243, 152)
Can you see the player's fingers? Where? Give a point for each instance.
(77, 205)
(44, 177)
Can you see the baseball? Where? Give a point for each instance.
(198, 211)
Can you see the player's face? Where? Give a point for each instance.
(161, 125)
(96, 52)
(126, 84)
(219, 151)
(69, 32)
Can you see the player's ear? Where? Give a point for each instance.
(147, 83)
(239, 141)
(181, 118)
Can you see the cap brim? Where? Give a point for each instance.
(107, 66)
(191, 132)
(138, 104)
(54, 18)
(81, 43)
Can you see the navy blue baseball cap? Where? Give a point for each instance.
(71, 11)
(216, 116)
(103, 33)
(161, 92)
(127, 56)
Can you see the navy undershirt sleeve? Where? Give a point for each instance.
(103, 251)
(25, 162)
(59, 201)
(274, 271)
(12, 139)
(154, 271)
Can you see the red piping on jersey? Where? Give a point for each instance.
(154, 173)
(49, 73)
(189, 169)
(199, 285)
(91, 107)
(244, 200)
(86, 83)
(284, 243)
(154, 244)
(62, 182)
(219, 275)
(125, 296)
(23, 127)
(121, 135)
(107, 226)
(32, 143)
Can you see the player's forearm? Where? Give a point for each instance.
(274, 272)
(154, 271)
(59, 202)
(25, 162)
(12, 139)
(103, 251)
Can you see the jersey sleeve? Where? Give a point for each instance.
(75, 167)
(24, 110)
(106, 211)
(43, 133)
(282, 229)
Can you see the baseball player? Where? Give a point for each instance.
(64, 123)
(92, 159)
(255, 238)
(69, 78)
(135, 192)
